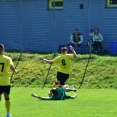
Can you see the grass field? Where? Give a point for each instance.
(96, 98)
(89, 103)
(101, 71)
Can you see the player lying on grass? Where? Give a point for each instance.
(64, 65)
(55, 94)
(5, 64)
(67, 89)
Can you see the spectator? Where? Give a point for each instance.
(76, 38)
(90, 40)
(97, 40)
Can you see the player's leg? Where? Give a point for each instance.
(70, 97)
(56, 82)
(0, 96)
(100, 46)
(7, 102)
(73, 97)
(63, 77)
(7, 99)
(94, 46)
(70, 89)
(1, 92)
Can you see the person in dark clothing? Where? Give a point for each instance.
(76, 39)
(97, 40)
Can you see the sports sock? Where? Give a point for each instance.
(55, 85)
(7, 104)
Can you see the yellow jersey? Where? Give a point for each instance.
(5, 63)
(64, 62)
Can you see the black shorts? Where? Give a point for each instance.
(62, 77)
(5, 89)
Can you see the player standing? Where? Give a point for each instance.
(64, 61)
(5, 64)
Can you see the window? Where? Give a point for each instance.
(57, 4)
(112, 3)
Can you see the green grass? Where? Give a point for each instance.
(89, 103)
(101, 71)
(97, 98)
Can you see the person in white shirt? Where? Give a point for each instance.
(97, 40)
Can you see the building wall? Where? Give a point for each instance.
(39, 31)
(9, 24)
(105, 19)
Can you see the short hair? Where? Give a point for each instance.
(54, 91)
(76, 29)
(96, 29)
(1, 48)
(64, 49)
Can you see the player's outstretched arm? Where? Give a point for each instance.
(47, 61)
(13, 69)
(73, 51)
(39, 97)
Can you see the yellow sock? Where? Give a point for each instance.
(7, 104)
(54, 85)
